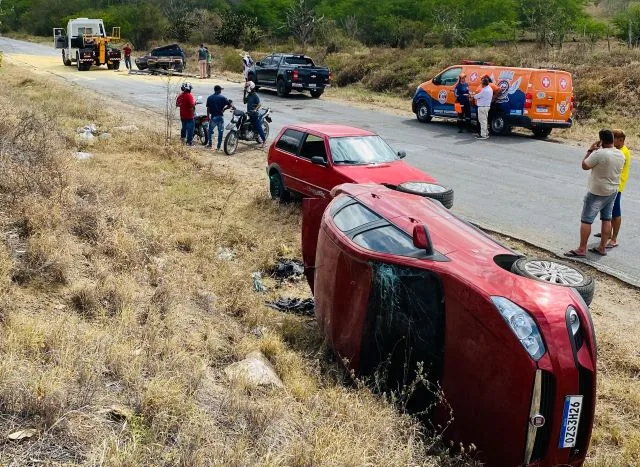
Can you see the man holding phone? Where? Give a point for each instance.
(605, 163)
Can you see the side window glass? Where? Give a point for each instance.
(386, 239)
(290, 141)
(313, 147)
(354, 216)
(450, 77)
(339, 202)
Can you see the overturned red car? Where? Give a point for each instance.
(312, 159)
(401, 283)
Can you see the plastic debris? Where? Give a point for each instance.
(22, 434)
(298, 306)
(83, 156)
(291, 269)
(226, 254)
(258, 286)
(90, 128)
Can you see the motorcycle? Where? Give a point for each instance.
(201, 125)
(241, 129)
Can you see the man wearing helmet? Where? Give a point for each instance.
(187, 105)
(252, 100)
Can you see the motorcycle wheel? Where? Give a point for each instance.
(230, 143)
(203, 135)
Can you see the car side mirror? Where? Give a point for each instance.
(422, 239)
(199, 100)
(435, 81)
(402, 154)
(319, 160)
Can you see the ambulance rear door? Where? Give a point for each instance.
(551, 93)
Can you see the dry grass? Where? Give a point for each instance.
(117, 315)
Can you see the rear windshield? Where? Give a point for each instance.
(301, 61)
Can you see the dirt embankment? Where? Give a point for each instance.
(120, 307)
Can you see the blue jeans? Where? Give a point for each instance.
(188, 127)
(256, 121)
(127, 62)
(594, 204)
(217, 122)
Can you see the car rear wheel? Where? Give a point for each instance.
(556, 273)
(429, 190)
(281, 87)
(277, 189)
(541, 133)
(422, 112)
(316, 93)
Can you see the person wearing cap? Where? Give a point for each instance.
(216, 105)
(461, 91)
(252, 100)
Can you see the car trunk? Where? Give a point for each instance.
(313, 76)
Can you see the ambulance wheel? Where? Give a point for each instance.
(498, 125)
(422, 112)
(541, 133)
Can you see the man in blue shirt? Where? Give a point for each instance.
(216, 105)
(252, 100)
(461, 91)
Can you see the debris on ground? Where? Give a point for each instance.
(226, 254)
(299, 306)
(86, 134)
(22, 434)
(258, 286)
(254, 370)
(83, 156)
(287, 269)
(258, 331)
(104, 136)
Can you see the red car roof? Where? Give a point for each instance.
(332, 131)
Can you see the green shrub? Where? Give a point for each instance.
(230, 60)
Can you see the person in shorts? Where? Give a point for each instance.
(605, 163)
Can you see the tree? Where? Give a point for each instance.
(183, 18)
(593, 30)
(628, 24)
(551, 19)
(302, 21)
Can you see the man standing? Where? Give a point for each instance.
(247, 63)
(187, 105)
(606, 163)
(618, 141)
(483, 101)
(461, 91)
(202, 61)
(216, 105)
(209, 62)
(252, 100)
(127, 55)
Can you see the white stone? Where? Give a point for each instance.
(255, 370)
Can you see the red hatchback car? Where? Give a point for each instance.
(401, 283)
(312, 159)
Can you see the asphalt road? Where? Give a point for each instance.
(521, 187)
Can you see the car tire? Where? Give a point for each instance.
(541, 133)
(435, 191)
(65, 60)
(316, 93)
(557, 273)
(109, 66)
(231, 143)
(277, 189)
(422, 112)
(116, 65)
(281, 88)
(498, 125)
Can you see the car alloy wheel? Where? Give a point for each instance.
(498, 125)
(555, 273)
(423, 112)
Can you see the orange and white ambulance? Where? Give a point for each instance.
(532, 98)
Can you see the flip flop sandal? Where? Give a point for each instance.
(597, 252)
(608, 247)
(574, 254)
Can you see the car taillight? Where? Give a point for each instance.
(573, 102)
(528, 100)
(294, 75)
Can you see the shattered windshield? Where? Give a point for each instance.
(360, 150)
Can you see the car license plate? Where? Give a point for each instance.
(312, 85)
(570, 421)
(542, 109)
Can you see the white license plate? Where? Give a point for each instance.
(312, 85)
(542, 109)
(570, 421)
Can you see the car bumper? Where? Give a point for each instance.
(528, 122)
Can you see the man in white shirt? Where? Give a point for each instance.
(247, 63)
(483, 101)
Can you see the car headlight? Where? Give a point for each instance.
(522, 325)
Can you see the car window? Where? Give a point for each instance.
(302, 61)
(266, 61)
(313, 146)
(358, 150)
(386, 239)
(354, 216)
(339, 202)
(290, 141)
(450, 76)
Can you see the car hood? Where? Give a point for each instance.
(391, 173)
